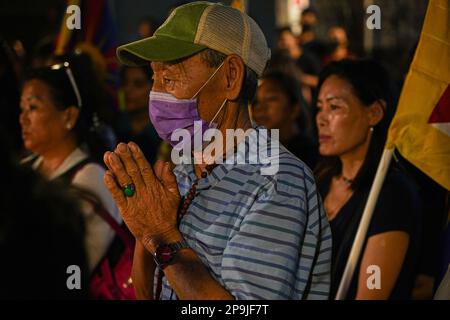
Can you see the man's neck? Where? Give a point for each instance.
(234, 117)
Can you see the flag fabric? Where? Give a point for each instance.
(420, 129)
(239, 4)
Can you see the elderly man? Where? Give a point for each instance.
(215, 231)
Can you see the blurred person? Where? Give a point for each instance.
(310, 43)
(307, 36)
(354, 110)
(279, 105)
(183, 235)
(281, 61)
(147, 27)
(308, 39)
(62, 128)
(41, 235)
(306, 62)
(309, 17)
(338, 48)
(133, 124)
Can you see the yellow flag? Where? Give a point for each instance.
(420, 129)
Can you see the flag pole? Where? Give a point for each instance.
(358, 243)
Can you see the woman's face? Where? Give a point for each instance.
(272, 108)
(136, 87)
(343, 121)
(44, 127)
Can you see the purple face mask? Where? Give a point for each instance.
(169, 114)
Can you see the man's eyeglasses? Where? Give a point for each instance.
(69, 73)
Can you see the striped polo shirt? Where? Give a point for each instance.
(260, 236)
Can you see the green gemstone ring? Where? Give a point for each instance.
(129, 189)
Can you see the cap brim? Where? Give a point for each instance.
(156, 48)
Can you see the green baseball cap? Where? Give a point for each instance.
(196, 26)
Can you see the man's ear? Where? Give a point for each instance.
(71, 117)
(234, 75)
(376, 112)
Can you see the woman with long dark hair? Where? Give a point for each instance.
(354, 109)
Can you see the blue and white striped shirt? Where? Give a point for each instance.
(260, 236)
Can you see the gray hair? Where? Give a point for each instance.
(213, 59)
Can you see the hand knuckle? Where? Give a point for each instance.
(146, 170)
(133, 171)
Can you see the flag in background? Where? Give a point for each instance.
(97, 38)
(420, 129)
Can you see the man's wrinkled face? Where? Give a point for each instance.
(183, 79)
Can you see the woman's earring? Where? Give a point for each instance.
(371, 129)
(68, 126)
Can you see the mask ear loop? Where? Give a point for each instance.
(210, 77)
(218, 111)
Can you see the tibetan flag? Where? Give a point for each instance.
(420, 129)
(97, 38)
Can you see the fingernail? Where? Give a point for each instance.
(133, 147)
(122, 147)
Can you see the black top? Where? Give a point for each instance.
(398, 209)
